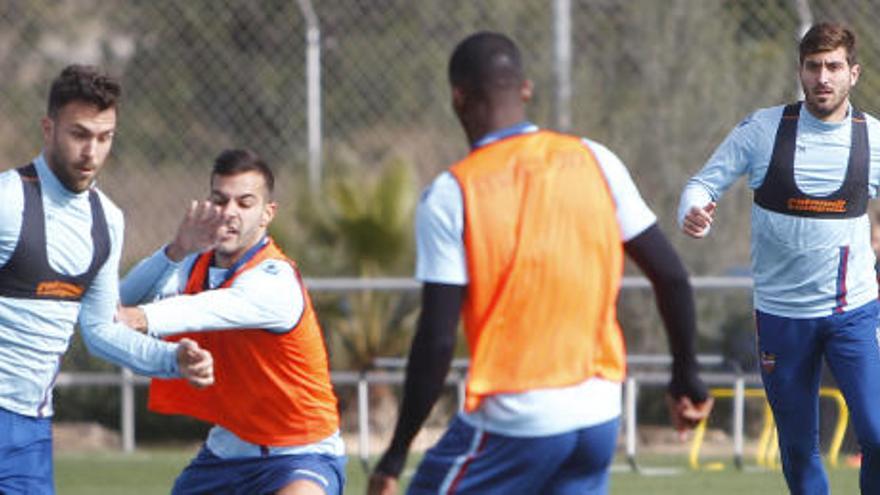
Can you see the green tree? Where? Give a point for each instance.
(363, 227)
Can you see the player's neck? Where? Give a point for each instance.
(496, 120)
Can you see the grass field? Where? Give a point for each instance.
(150, 471)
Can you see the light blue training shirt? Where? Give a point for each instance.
(34, 334)
(802, 267)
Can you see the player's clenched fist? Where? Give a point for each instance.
(698, 220)
(382, 484)
(196, 364)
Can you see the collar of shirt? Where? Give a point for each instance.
(514, 130)
(813, 122)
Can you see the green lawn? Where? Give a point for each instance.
(149, 472)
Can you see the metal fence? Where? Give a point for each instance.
(388, 370)
(323, 88)
(331, 88)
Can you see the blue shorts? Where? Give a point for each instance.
(210, 475)
(25, 455)
(468, 460)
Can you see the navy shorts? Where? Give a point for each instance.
(25, 455)
(209, 474)
(791, 351)
(470, 461)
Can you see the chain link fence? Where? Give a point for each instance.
(333, 89)
(659, 82)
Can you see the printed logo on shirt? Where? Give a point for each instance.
(817, 205)
(425, 193)
(768, 362)
(745, 120)
(59, 289)
(270, 268)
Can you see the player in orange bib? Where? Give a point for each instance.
(225, 284)
(525, 238)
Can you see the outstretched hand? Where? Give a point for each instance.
(201, 229)
(382, 484)
(698, 220)
(196, 365)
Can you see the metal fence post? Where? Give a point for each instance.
(126, 389)
(562, 62)
(805, 20)
(363, 396)
(739, 400)
(630, 411)
(313, 92)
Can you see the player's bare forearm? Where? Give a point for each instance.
(133, 317)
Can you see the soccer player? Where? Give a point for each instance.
(224, 280)
(60, 244)
(525, 237)
(812, 165)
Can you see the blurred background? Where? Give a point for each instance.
(348, 101)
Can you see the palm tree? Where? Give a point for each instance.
(362, 226)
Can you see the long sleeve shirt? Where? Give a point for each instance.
(34, 334)
(802, 267)
(268, 297)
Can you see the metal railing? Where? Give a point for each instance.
(390, 372)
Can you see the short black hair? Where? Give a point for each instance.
(484, 62)
(239, 161)
(84, 83)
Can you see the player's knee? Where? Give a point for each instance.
(800, 451)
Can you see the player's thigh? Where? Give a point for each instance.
(790, 353)
(309, 475)
(25, 455)
(209, 474)
(586, 470)
(853, 354)
(467, 460)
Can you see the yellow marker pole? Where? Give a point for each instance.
(699, 432)
(767, 432)
(840, 426)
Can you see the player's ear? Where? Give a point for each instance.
(268, 213)
(48, 126)
(854, 73)
(459, 99)
(526, 89)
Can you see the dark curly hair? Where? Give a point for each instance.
(83, 83)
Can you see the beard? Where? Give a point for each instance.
(63, 170)
(825, 104)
